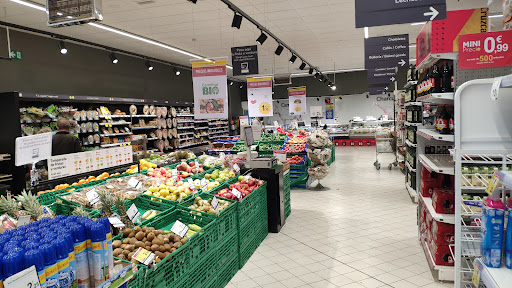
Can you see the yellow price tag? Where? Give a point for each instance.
(493, 183)
(476, 275)
(144, 256)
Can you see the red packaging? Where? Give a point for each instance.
(443, 200)
(423, 226)
(441, 254)
(427, 186)
(443, 233)
(428, 220)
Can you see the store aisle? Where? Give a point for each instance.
(360, 233)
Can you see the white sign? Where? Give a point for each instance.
(133, 213)
(23, 220)
(204, 185)
(297, 99)
(236, 193)
(93, 197)
(191, 183)
(280, 155)
(315, 111)
(215, 204)
(27, 278)
(259, 96)
(116, 222)
(236, 168)
(210, 89)
(133, 182)
(32, 149)
(179, 229)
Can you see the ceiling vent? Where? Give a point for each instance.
(62, 13)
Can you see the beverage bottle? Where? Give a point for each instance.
(436, 79)
(445, 78)
(452, 84)
(445, 125)
(90, 255)
(82, 261)
(98, 237)
(451, 120)
(35, 257)
(61, 247)
(427, 81)
(50, 265)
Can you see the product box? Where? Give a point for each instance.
(493, 218)
(441, 254)
(443, 233)
(443, 200)
(427, 186)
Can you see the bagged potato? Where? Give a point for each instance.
(319, 171)
(318, 139)
(319, 156)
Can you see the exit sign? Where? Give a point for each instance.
(16, 55)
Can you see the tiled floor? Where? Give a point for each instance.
(360, 233)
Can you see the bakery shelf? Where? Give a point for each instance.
(430, 134)
(115, 134)
(114, 116)
(494, 277)
(409, 167)
(185, 139)
(115, 123)
(412, 192)
(183, 128)
(410, 84)
(184, 115)
(115, 144)
(413, 104)
(201, 128)
(410, 144)
(144, 116)
(439, 163)
(437, 98)
(145, 127)
(445, 218)
(187, 133)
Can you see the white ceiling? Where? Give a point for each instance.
(321, 31)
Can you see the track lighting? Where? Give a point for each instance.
(176, 71)
(325, 79)
(241, 85)
(333, 87)
(193, 1)
(302, 66)
(321, 78)
(113, 58)
(62, 47)
(148, 64)
(279, 50)
(316, 75)
(310, 70)
(237, 21)
(230, 83)
(262, 38)
(293, 58)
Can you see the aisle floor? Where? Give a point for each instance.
(360, 233)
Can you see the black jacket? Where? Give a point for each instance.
(65, 143)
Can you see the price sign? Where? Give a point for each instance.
(280, 155)
(191, 182)
(23, 220)
(92, 197)
(485, 50)
(134, 183)
(493, 183)
(179, 229)
(292, 148)
(174, 173)
(476, 275)
(204, 184)
(116, 222)
(133, 213)
(495, 90)
(237, 193)
(27, 278)
(180, 199)
(236, 168)
(144, 256)
(215, 204)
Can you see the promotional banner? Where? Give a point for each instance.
(297, 99)
(210, 90)
(383, 55)
(245, 60)
(371, 13)
(485, 50)
(329, 110)
(259, 96)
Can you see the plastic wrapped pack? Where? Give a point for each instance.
(318, 139)
(319, 171)
(319, 156)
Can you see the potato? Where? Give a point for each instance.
(126, 252)
(151, 236)
(121, 256)
(177, 245)
(131, 235)
(160, 254)
(117, 252)
(155, 247)
(126, 241)
(140, 235)
(139, 244)
(127, 231)
(116, 244)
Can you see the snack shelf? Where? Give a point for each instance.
(410, 84)
(439, 163)
(407, 123)
(430, 134)
(494, 277)
(410, 144)
(431, 58)
(413, 104)
(183, 128)
(445, 273)
(437, 98)
(184, 115)
(215, 128)
(114, 116)
(409, 167)
(115, 134)
(144, 116)
(412, 192)
(115, 123)
(115, 144)
(445, 218)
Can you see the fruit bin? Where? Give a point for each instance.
(227, 273)
(74, 205)
(227, 220)
(252, 204)
(137, 277)
(247, 249)
(144, 204)
(49, 198)
(288, 210)
(67, 210)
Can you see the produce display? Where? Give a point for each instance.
(296, 160)
(206, 205)
(209, 161)
(273, 137)
(244, 186)
(269, 146)
(80, 182)
(294, 147)
(220, 176)
(318, 154)
(170, 190)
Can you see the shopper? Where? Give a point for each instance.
(63, 141)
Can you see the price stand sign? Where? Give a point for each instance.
(179, 228)
(485, 50)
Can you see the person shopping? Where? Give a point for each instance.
(63, 142)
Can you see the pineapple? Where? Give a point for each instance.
(107, 203)
(31, 205)
(121, 210)
(80, 211)
(7, 205)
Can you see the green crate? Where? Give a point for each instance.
(248, 249)
(49, 198)
(227, 249)
(251, 228)
(138, 277)
(227, 273)
(144, 204)
(288, 210)
(252, 204)
(67, 210)
(227, 220)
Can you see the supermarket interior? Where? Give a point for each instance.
(256, 143)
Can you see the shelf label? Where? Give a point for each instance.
(476, 275)
(493, 183)
(236, 193)
(23, 220)
(116, 221)
(236, 168)
(133, 213)
(204, 185)
(215, 204)
(280, 155)
(134, 183)
(179, 229)
(26, 278)
(191, 183)
(174, 173)
(93, 197)
(144, 256)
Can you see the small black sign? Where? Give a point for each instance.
(383, 55)
(245, 60)
(370, 13)
(378, 89)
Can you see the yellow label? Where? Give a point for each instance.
(50, 271)
(142, 255)
(72, 256)
(96, 246)
(42, 278)
(88, 243)
(253, 79)
(296, 89)
(492, 184)
(106, 246)
(109, 237)
(208, 63)
(476, 276)
(80, 248)
(63, 264)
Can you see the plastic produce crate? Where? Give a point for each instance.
(227, 273)
(288, 210)
(144, 204)
(67, 210)
(49, 198)
(247, 249)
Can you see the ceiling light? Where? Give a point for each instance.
(321, 78)
(366, 33)
(279, 50)
(62, 47)
(28, 4)
(231, 83)
(310, 70)
(237, 21)
(148, 64)
(262, 38)
(241, 85)
(326, 79)
(193, 1)
(113, 58)
(316, 75)
(293, 58)
(418, 23)
(302, 66)
(176, 71)
(333, 87)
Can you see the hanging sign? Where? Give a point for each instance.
(378, 89)
(329, 111)
(259, 96)
(32, 149)
(210, 90)
(297, 100)
(370, 13)
(383, 55)
(485, 50)
(245, 60)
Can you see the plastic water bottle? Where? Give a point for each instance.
(35, 257)
(50, 265)
(98, 237)
(82, 261)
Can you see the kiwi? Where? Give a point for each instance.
(177, 245)
(167, 253)
(183, 241)
(132, 240)
(116, 244)
(167, 247)
(157, 260)
(148, 247)
(140, 235)
(144, 229)
(123, 246)
(158, 241)
(130, 248)
(166, 240)
(130, 255)
(144, 239)
(160, 232)
(126, 241)
(137, 229)
(151, 236)
(162, 248)
(173, 249)
(155, 247)
(117, 252)
(127, 231)
(126, 252)
(131, 235)
(160, 254)
(147, 243)
(139, 244)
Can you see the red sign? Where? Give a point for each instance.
(485, 50)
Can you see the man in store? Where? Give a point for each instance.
(63, 142)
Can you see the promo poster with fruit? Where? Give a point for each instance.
(259, 96)
(210, 90)
(297, 99)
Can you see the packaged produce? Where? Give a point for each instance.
(319, 171)
(319, 156)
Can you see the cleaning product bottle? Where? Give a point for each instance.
(12, 263)
(98, 237)
(508, 241)
(35, 257)
(493, 218)
(71, 256)
(87, 226)
(109, 255)
(61, 247)
(50, 265)
(1, 273)
(82, 261)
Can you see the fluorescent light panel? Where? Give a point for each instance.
(418, 23)
(366, 33)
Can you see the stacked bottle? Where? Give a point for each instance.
(436, 79)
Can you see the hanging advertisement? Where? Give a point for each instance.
(329, 110)
(245, 60)
(485, 50)
(297, 99)
(259, 96)
(210, 90)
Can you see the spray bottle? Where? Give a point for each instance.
(493, 218)
(71, 256)
(109, 253)
(82, 261)
(35, 257)
(61, 247)
(508, 241)
(12, 263)
(87, 226)
(50, 265)
(98, 237)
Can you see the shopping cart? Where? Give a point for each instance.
(384, 143)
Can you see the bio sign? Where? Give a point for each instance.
(485, 50)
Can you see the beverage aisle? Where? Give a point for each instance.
(360, 233)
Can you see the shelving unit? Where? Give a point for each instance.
(217, 128)
(144, 128)
(434, 57)
(437, 98)
(410, 144)
(412, 124)
(431, 134)
(494, 277)
(438, 163)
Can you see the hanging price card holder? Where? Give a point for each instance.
(204, 185)
(237, 193)
(493, 183)
(144, 256)
(133, 213)
(134, 183)
(179, 229)
(92, 197)
(27, 278)
(215, 204)
(236, 168)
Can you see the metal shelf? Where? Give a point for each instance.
(186, 121)
(439, 163)
(413, 104)
(5, 177)
(215, 128)
(445, 218)
(437, 98)
(184, 115)
(412, 124)
(430, 134)
(432, 58)
(115, 116)
(115, 123)
(412, 192)
(116, 134)
(144, 116)
(187, 133)
(115, 144)
(410, 144)
(410, 84)
(145, 127)
(218, 132)
(494, 277)
(183, 128)
(409, 167)
(193, 144)
(445, 273)
(186, 139)
(200, 128)
(154, 138)
(5, 157)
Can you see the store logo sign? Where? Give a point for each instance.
(211, 89)
(471, 46)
